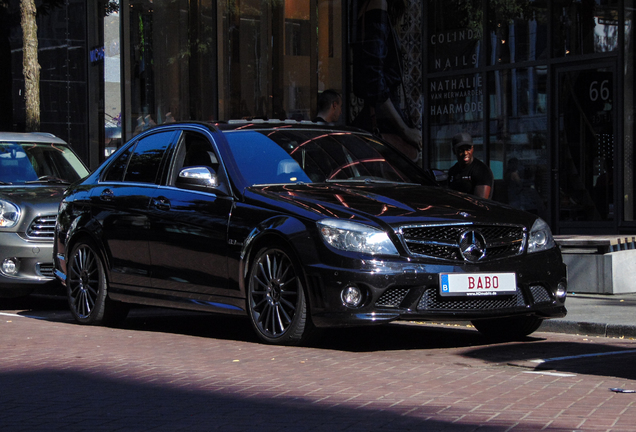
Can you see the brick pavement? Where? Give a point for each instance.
(200, 373)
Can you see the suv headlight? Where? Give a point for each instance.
(9, 214)
(356, 237)
(540, 238)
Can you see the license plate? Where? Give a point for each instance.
(477, 284)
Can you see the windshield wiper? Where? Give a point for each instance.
(48, 179)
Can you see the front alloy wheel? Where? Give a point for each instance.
(276, 298)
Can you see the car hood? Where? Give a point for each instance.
(33, 195)
(34, 201)
(395, 204)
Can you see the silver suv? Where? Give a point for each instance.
(35, 169)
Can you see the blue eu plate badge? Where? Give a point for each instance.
(445, 286)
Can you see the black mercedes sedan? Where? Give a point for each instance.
(298, 226)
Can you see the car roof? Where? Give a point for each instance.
(31, 137)
(259, 124)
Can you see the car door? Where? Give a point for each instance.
(121, 202)
(188, 245)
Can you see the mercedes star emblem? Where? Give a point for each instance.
(472, 245)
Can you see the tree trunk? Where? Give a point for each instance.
(30, 64)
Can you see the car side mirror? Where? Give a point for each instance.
(440, 176)
(198, 178)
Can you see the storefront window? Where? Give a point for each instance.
(518, 31)
(456, 104)
(518, 138)
(584, 27)
(295, 82)
(112, 82)
(385, 71)
(171, 62)
(330, 45)
(454, 34)
(142, 108)
(276, 56)
(586, 144)
(629, 183)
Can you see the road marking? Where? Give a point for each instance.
(557, 374)
(21, 316)
(539, 361)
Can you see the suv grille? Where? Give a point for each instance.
(445, 241)
(42, 227)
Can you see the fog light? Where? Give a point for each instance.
(352, 296)
(10, 266)
(562, 291)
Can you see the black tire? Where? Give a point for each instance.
(508, 329)
(87, 288)
(276, 298)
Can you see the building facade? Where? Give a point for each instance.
(544, 87)
(64, 81)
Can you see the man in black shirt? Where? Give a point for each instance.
(469, 175)
(329, 107)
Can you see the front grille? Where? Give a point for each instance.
(431, 300)
(45, 269)
(443, 241)
(540, 294)
(42, 227)
(392, 297)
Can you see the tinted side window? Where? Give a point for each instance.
(118, 167)
(146, 158)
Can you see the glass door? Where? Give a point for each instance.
(586, 147)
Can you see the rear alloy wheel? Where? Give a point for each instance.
(276, 298)
(87, 288)
(508, 329)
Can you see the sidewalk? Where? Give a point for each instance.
(597, 315)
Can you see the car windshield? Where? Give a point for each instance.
(284, 156)
(22, 163)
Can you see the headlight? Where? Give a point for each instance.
(540, 238)
(9, 214)
(356, 237)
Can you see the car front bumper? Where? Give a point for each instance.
(409, 290)
(33, 263)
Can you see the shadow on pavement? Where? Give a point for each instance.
(571, 357)
(34, 302)
(386, 337)
(70, 400)
(397, 336)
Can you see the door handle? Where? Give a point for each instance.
(107, 195)
(161, 203)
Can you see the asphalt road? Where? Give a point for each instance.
(165, 370)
